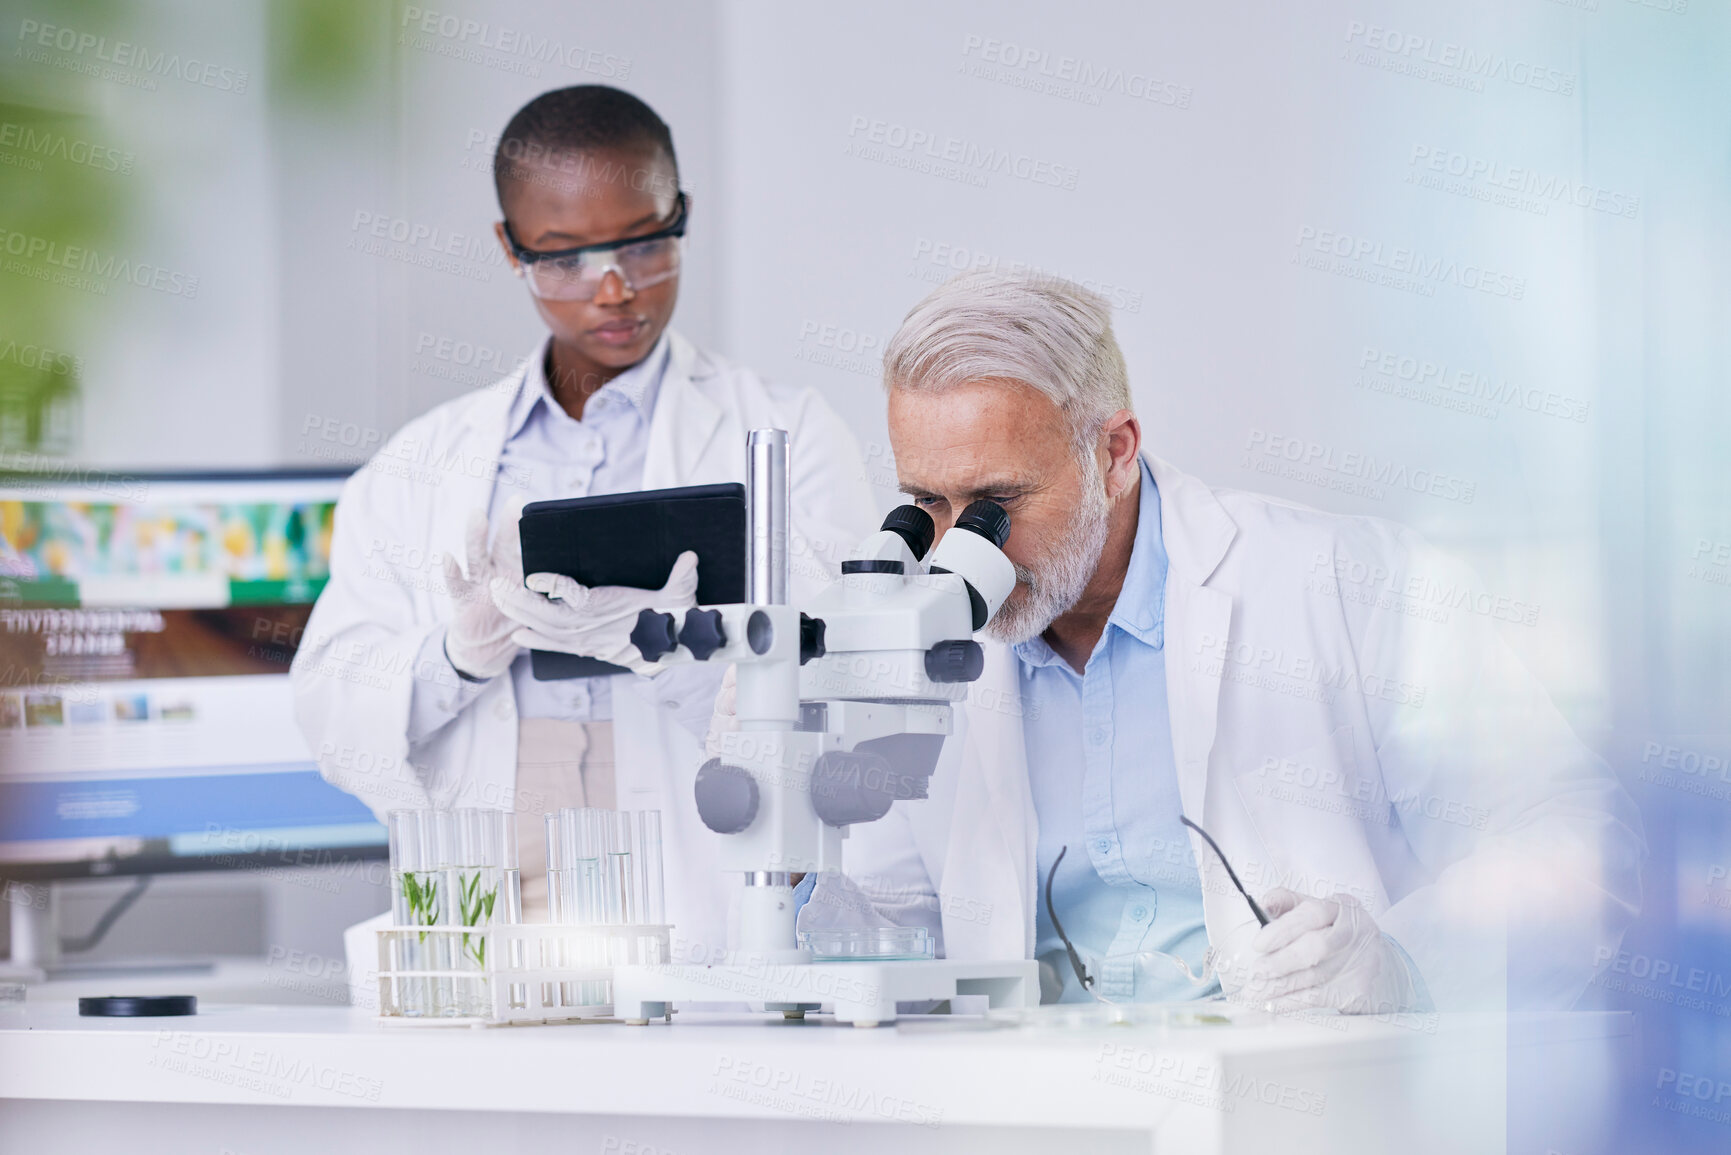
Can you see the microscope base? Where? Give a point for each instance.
(862, 993)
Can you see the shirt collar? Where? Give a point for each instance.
(1141, 607)
(637, 387)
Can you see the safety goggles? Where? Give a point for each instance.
(576, 274)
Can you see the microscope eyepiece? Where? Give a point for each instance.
(986, 518)
(914, 526)
(977, 556)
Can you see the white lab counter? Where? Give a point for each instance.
(258, 1080)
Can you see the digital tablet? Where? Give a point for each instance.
(633, 539)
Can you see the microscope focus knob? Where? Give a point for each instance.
(726, 797)
(653, 635)
(956, 660)
(811, 633)
(702, 634)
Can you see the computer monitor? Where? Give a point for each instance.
(147, 622)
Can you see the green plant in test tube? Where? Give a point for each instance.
(423, 900)
(476, 909)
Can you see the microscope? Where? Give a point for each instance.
(843, 707)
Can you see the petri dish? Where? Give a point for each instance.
(877, 944)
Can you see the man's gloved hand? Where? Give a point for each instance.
(1316, 952)
(478, 640)
(557, 613)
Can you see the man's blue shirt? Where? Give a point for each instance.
(1105, 785)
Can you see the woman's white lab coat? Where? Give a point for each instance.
(1345, 717)
(406, 508)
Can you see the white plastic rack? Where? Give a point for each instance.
(444, 976)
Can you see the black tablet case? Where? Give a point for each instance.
(633, 539)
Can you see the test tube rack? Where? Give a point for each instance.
(527, 973)
(458, 953)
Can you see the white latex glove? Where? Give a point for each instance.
(478, 639)
(558, 613)
(725, 718)
(1316, 952)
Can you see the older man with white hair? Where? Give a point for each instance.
(1418, 822)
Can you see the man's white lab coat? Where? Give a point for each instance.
(1345, 717)
(405, 509)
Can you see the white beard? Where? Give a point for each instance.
(1056, 580)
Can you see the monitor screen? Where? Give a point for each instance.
(147, 623)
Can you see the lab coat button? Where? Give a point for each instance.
(1139, 913)
(672, 703)
(502, 711)
(1104, 845)
(1098, 737)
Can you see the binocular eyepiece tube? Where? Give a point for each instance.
(973, 550)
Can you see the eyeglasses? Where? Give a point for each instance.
(1151, 962)
(576, 274)
(1153, 965)
(1261, 915)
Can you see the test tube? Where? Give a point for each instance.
(579, 863)
(409, 995)
(439, 839)
(468, 837)
(575, 899)
(508, 911)
(510, 908)
(404, 827)
(620, 907)
(552, 951)
(438, 851)
(468, 882)
(555, 869)
(651, 889)
(592, 844)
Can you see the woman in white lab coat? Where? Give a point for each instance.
(411, 683)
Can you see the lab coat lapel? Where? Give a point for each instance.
(1197, 532)
(990, 859)
(684, 429)
(471, 473)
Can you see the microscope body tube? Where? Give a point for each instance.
(767, 916)
(767, 708)
(766, 502)
(769, 687)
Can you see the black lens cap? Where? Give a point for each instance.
(138, 1006)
